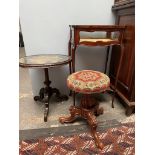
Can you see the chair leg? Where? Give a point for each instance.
(69, 119)
(73, 59)
(107, 57)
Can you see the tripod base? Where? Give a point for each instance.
(88, 109)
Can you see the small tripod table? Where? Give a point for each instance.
(46, 61)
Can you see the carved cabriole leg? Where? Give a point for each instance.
(90, 107)
(93, 125)
(69, 119)
(91, 119)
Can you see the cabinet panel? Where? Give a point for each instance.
(126, 76)
(122, 1)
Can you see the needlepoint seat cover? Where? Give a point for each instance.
(88, 82)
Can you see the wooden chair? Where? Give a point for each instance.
(114, 36)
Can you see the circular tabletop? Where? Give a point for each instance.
(44, 60)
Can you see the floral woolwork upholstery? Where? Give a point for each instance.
(88, 82)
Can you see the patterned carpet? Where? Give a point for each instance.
(118, 140)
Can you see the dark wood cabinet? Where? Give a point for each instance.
(125, 15)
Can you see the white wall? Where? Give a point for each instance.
(45, 27)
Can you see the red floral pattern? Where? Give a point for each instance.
(88, 81)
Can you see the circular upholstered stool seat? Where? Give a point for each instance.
(88, 81)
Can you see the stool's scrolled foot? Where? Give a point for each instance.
(66, 119)
(98, 143)
(71, 118)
